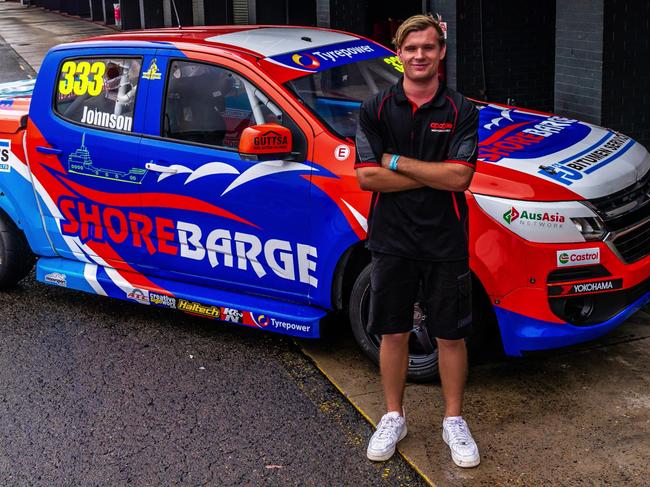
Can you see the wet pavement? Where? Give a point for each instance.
(97, 391)
(578, 416)
(103, 392)
(32, 31)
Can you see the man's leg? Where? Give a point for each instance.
(453, 374)
(393, 363)
(450, 306)
(394, 286)
(452, 363)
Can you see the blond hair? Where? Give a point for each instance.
(417, 23)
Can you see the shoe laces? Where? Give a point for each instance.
(459, 431)
(387, 428)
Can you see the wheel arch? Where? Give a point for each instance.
(349, 266)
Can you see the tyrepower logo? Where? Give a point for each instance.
(328, 56)
(306, 61)
(567, 258)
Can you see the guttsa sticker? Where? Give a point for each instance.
(82, 78)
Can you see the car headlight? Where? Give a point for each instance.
(545, 222)
(590, 227)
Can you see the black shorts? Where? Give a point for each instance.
(443, 290)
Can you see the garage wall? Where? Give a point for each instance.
(626, 68)
(506, 52)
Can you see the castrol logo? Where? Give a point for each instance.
(567, 258)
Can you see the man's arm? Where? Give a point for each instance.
(448, 176)
(383, 180)
(370, 147)
(455, 173)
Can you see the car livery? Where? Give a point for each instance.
(210, 170)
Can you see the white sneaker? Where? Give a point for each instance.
(390, 430)
(464, 451)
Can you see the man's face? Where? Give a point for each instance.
(420, 54)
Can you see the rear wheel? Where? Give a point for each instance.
(16, 258)
(423, 352)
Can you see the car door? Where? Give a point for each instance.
(220, 219)
(86, 157)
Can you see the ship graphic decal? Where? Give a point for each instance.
(80, 162)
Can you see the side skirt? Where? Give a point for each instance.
(253, 311)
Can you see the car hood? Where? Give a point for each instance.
(535, 156)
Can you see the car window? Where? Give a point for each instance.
(98, 92)
(334, 95)
(212, 105)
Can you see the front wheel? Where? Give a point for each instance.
(16, 258)
(423, 351)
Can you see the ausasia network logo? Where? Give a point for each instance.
(513, 214)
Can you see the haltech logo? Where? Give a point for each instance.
(512, 214)
(306, 61)
(199, 309)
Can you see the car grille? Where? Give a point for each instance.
(577, 273)
(626, 215)
(633, 244)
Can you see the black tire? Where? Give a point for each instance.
(423, 352)
(16, 258)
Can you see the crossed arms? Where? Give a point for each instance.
(413, 173)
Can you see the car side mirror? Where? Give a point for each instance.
(265, 141)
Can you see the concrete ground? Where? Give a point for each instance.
(578, 416)
(568, 417)
(32, 31)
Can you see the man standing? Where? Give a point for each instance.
(416, 150)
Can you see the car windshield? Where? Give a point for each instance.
(335, 95)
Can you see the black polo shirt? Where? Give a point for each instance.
(424, 223)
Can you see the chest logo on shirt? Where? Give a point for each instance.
(441, 127)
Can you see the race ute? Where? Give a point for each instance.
(211, 170)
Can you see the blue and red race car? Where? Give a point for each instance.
(210, 170)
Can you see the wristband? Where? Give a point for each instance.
(392, 165)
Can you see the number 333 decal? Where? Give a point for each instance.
(82, 78)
